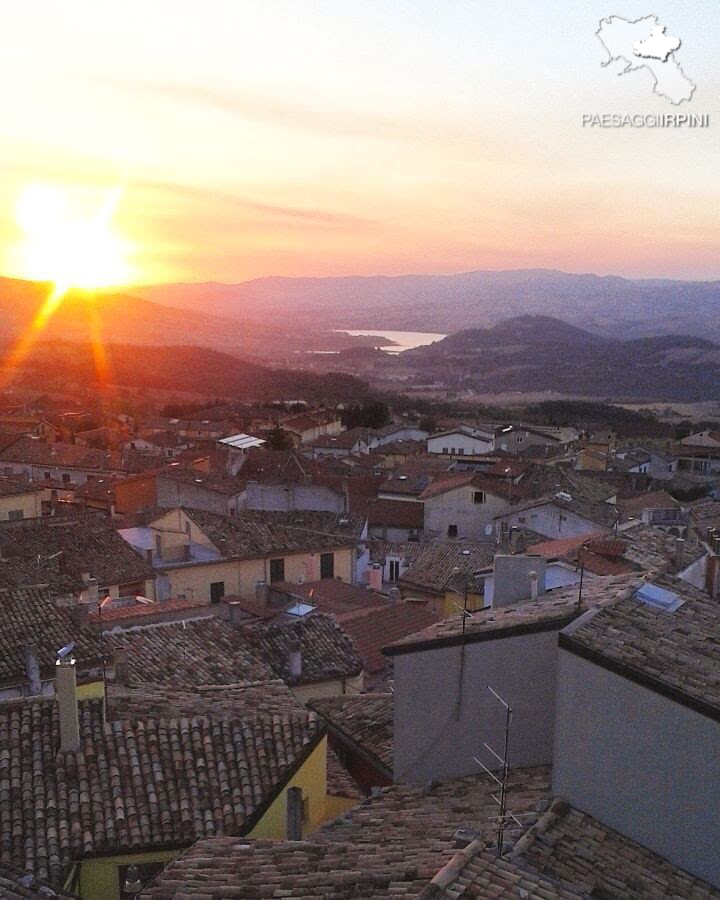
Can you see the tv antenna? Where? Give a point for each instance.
(504, 817)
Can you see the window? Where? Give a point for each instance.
(327, 565)
(47, 476)
(478, 496)
(15, 514)
(277, 570)
(394, 569)
(217, 591)
(461, 451)
(445, 450)
(452, 530)
(65, 478)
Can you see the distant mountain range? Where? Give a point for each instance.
(607, 305)
(541, 353)
(125, 317)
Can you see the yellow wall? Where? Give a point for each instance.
(241, 576)
(99, 879)
(453, 603)
(337, 806)
(29, 504)
(311, 777)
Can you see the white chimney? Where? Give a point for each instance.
(32, 670)
(679, 552)
(294, 660)
(66, 690)
(533, 585)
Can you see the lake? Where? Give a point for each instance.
(402, 340)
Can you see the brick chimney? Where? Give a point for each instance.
(66, 691)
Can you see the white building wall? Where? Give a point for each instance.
(456, 507)
(551, 521)
(639, 762)
(459, 444)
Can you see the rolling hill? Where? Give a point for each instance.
(541, 353)
(608, 305)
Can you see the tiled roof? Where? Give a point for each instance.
(634, 506)
(366, 719)
(553, 606)
(377, 628)
(67, 456)
(255, 533)
(326, 650)
(244, 700)
(570, 846)
(654, 549)
(31, 617)
(11, 487)
(144, 612)
(475, 873)
(396, 513)
(676, 652)
(346, 440)
(389, 846)
(453, 480)
(134, 785)
(18, 885)
(436, 563)
(217, 482)
(197, 652)
(340, 782)
(56, 551)
(331, 596)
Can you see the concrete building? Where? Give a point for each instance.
(444, 711)
(463, 505)
(637, 733)
(461, 441)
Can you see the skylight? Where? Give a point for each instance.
(299, 609)
(659, 598)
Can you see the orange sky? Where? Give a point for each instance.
(315, 137)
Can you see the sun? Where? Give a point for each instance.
(68, 238)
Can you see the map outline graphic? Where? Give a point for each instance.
(635, 60)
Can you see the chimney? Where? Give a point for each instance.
(261, 592)
(375, 577)
(66, 691)
(394, 594)
(120, 664)
(294, 659)
(679, 552)
(81, 613)
(533, 585)
(514, 538)
(294, 814)
(32, 670)
(91, 588)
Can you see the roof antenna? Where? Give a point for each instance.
(504, 816)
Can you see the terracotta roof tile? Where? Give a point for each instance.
(327, 652)
(576, 849)
(56, 551)
(366, 719)
(134, 785)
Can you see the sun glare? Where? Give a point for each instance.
(68, 238)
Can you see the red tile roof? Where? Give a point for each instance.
(377, 628)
